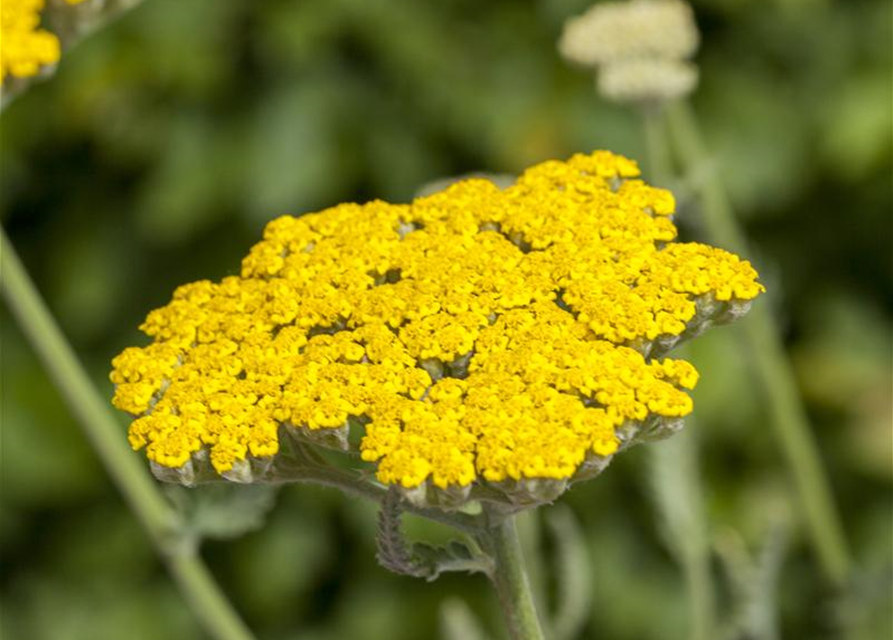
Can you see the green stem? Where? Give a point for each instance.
(680, 499)
(205, 599)
(675, 462)
(659, 159)
(105, 434)
(772, 365)
(530, 533)
(510, 579)
(700, 585)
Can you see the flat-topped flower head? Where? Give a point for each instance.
(615, 31)
(640, 48)
(507, 340)
(643, 80)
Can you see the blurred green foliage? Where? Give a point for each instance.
(166, 142)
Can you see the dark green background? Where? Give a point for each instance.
(166, 142)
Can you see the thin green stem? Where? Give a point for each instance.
(680, 500)
(530, 534)
(205, 599)
(660, 166)
(772, 365)
(509, 576)
(700, 585)
(105, 434)
(719, 218)
(674, 463)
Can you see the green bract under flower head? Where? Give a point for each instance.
(477, 337)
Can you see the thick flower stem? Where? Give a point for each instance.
(509, 576)
(773, 368)
(107, 437)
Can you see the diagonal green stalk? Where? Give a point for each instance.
(773, 368)
(105, 434)
(674, 463)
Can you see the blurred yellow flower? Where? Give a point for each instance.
(480, 335)
(24, 46)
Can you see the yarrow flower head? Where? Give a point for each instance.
(640, 48)
(641, 79)
(476, 341)
(615, 31)
(25, 48)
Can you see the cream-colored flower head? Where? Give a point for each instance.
(616, 31)
(647, 80)
(640, 49)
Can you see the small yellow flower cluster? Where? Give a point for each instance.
(480, 335)
(24, 47)
(640, 47)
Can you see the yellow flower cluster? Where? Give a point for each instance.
(24, 47)
(479, 334)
